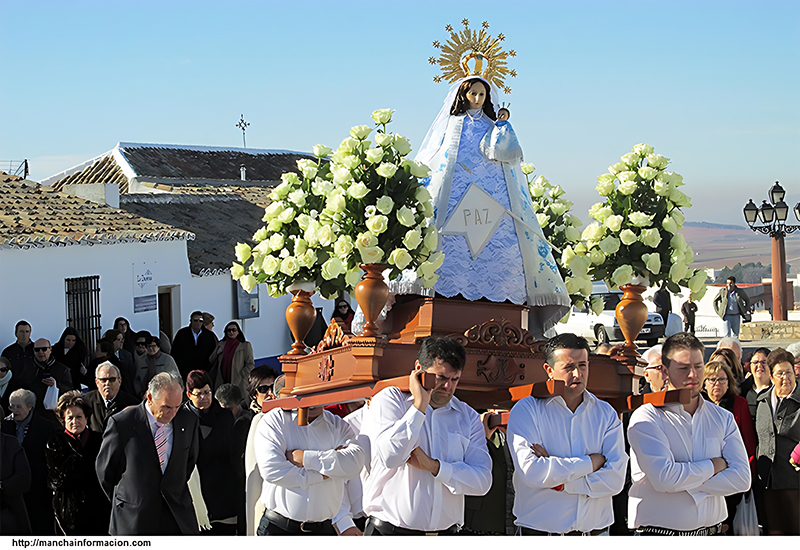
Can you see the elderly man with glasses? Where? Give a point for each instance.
(43, 374)
(107, 399)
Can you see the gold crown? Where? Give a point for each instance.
(473, 53)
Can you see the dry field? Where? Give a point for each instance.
(718, 247)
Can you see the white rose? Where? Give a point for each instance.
(341, 175)
(572, 233)
(353, 277)
(289, 266)
(302, 221)
(596, 255)
(351, 162)
(643, 149)
(622, 275)
(630, 159)
(307, 259)
(652, 262)
(271, 212)
(662, 189)
(405, 216)
(270, 265)
(300, 246)
(679, 198)
(371, 255)
(386, 169)
(647, 172)
(627, 187)
(243, 251)
(290, 179)
(366, 240)
(614, 222)
(325, 235)
(374, 156)
(593, 232)
(335, 203)
(617, 168)
(678, 242)
(416, 168)
(343, 246)
(377, 224)
(320, 151)
(280, 192)
(237, 270)
(431, 239)
(422, 194)
(650, 237)
(640, 219)
(627, 175)
(382, 116)
(566, 256)
(348, 145)
(610, 245)
(248, 282)
(579, 265)
(412, 239)
(358, 190)
(360, 132)
(384, 140)
(402, 145)
(558, 208)
(537, 190)
(260, 235)
(628, 237)
(384, 204)
(602, 213)
(678, 216)
(669, 225)
(321, 187)
(605, 188)
(332, 268)
(308, 168)
(657, 161)
(276, 241)
(543, 219)
(697, 281)
(286, 216)
(527, 168)
(298, 197)
(678, 271)
(400, 258)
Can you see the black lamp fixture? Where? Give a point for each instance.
(751, 211)
(772, 214)
(766, 212)
(776, 193)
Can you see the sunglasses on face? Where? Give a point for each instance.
(41, 349)
(4, 369)
(231, 330)
(264, 388)
(108, 380)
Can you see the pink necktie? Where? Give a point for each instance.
(161, 444)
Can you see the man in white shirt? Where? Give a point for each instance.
(569, 455)
(304, 469)
(684, 458)
(428, 450)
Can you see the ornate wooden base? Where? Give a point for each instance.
(502, 356)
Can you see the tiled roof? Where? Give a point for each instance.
(166, 167)
(104, 170)
(32, 216)
(219, 220)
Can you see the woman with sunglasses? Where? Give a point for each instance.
(720, 387)
(343, 314)
(232, 359)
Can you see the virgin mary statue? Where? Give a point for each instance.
(492, 243)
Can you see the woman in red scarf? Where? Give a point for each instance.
(232, 359)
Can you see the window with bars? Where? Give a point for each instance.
(83, 308)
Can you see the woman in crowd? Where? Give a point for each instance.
(728, 357)
(778, 431)
(721, 389)
(232, 359)
(71, 352)
(343, 314)
(216, 460)
(129, 343)
(80, 506)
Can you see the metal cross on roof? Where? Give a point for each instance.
(243, 125)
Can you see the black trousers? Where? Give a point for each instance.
(267, 528)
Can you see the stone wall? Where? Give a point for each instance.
(770, 330)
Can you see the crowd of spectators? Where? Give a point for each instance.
(134, 440)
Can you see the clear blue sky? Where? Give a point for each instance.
(712, 85)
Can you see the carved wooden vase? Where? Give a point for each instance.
(300, 316)
(371, 295)
(631, 315)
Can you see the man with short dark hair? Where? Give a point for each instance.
(20, 353)
(684, 458)
(428, 450)
(193, 345)
(569, 451)
(44, 373)
(732, 305)
(107, 399)
(145, 461)
(155, 362)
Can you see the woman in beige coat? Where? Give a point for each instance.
(232, 359)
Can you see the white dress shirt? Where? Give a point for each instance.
(584, 504)
(410, 497)
(168, 429)
(674, 485)
(352, 500)
(302, 494)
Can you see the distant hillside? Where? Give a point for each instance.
(709, 225)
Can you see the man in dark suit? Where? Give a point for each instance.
(45, 372)
(107, 399)
(148, 453)
(193, 345)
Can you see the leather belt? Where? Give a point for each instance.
(593, 533)
(701, 532)
(293, 526)
(386, 528)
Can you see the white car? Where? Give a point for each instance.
(604, 327)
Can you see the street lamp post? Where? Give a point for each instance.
(772, 216)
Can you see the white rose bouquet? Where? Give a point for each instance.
(562, 230)
(364, 205)
(635, 235)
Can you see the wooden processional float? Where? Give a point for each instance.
(504, 362)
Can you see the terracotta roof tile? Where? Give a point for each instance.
(35, 216)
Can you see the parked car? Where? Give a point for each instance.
(604, 327)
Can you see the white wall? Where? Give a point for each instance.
(32, 288)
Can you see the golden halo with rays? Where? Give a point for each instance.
(473, 53)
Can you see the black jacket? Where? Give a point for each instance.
(190, 356)
(79, 504)
(15, 481)
(217, 461)
(101, 413)
(776, 440)
(130, 475)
